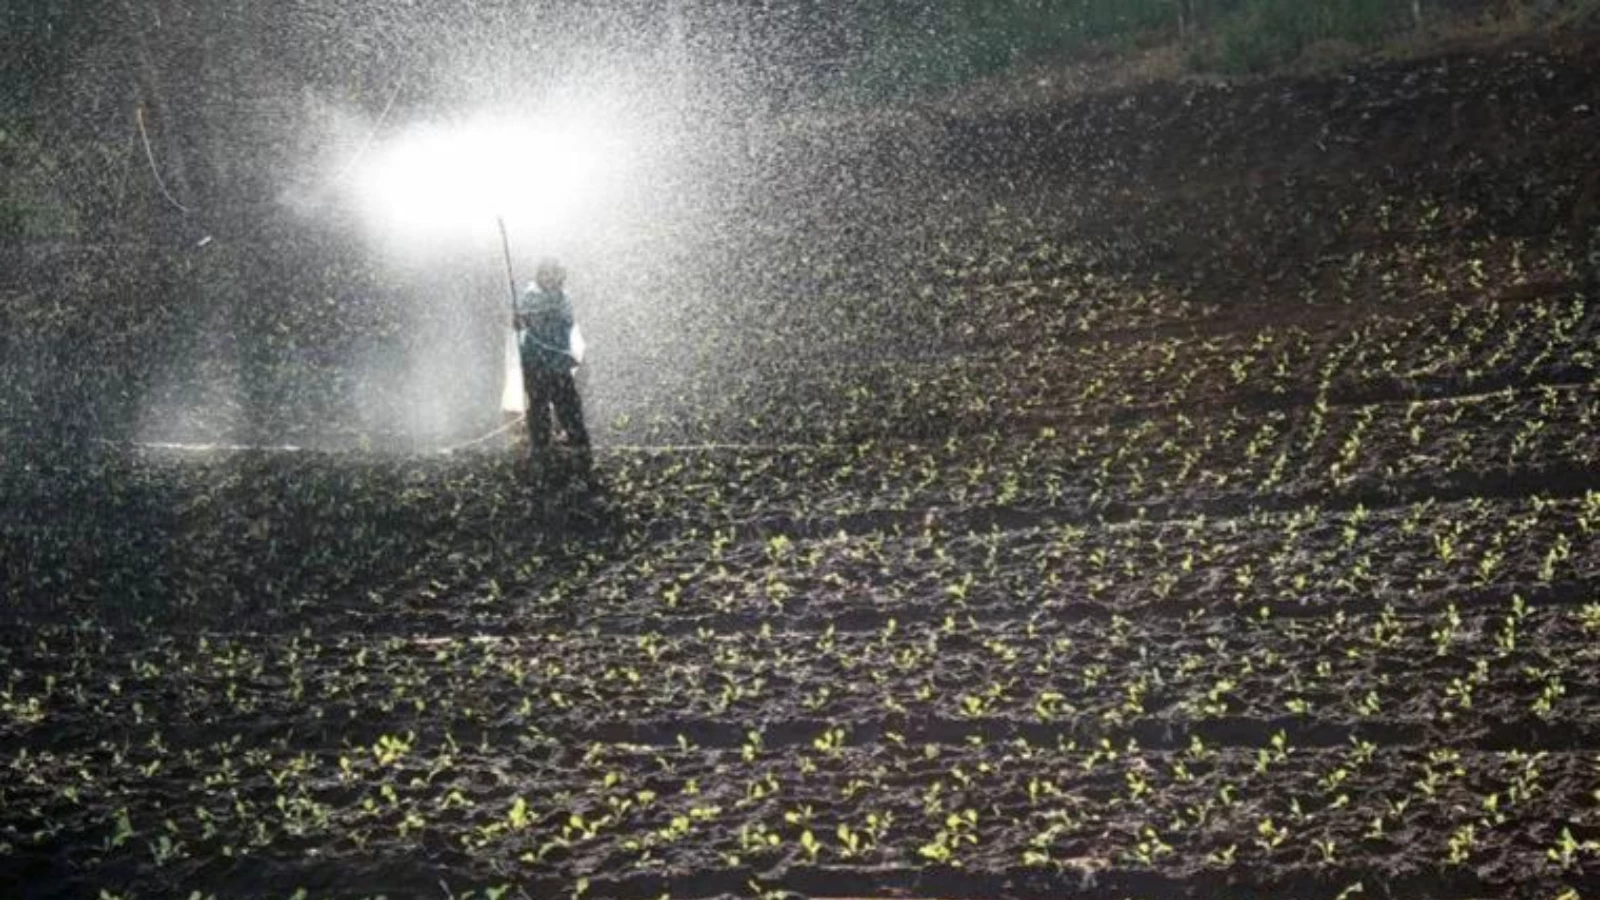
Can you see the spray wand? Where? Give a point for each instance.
(511, 278)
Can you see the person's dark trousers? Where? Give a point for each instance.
(547, 388)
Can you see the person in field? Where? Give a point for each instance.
(545, 339)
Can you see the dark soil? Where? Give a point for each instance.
(1196, 495)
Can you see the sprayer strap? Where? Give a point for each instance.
(543, 346)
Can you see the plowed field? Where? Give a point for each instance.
(1217, 515)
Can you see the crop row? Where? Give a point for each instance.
(531, 808)
(1477, 669)
(1460, 347)
(1305, 558)
(1504, 443)
(224, 537)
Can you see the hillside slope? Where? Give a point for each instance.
(1191, 491)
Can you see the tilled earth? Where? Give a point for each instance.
(1218, 516)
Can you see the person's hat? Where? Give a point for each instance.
(549, 271)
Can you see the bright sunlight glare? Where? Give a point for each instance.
(437, 180)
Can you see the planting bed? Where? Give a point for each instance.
(1098, 580)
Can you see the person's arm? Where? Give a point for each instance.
(523, 312)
